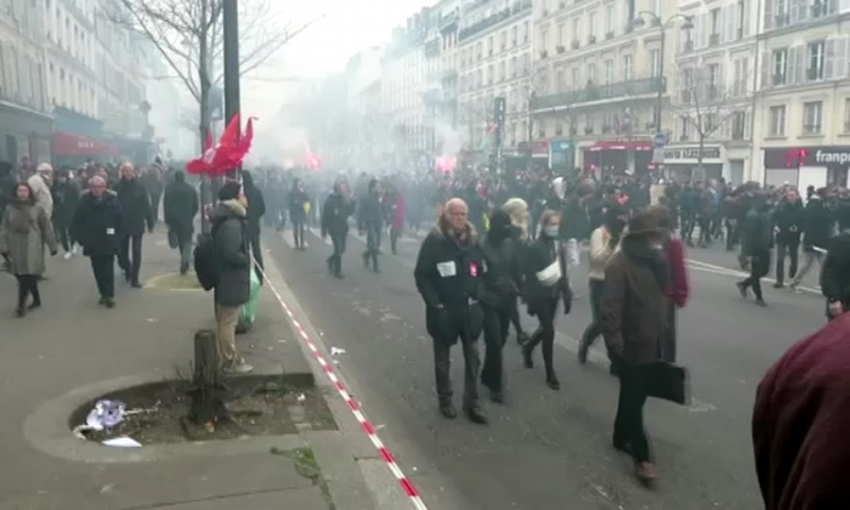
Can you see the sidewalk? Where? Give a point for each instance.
(72, 351)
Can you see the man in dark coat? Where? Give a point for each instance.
(370, 220)
(180, 207)
(135, 203)
(449, 273)
(335, 212)
(789, 219)
(816, 232)
(298, 200)
(756, 243)
(97, 226)
(66, 196)
(256, 211)
(153, 179)
(233, 270)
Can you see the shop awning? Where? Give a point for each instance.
(622, 146)
(67, 144)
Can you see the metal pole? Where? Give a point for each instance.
(230, 27)
(662, 81)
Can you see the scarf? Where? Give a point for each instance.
(639, 251)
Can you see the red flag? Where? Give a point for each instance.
(228, 154)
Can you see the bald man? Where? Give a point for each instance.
(449, 276)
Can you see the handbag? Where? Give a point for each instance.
(550, 274)
(669, 381)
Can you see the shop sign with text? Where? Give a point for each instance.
(691, 154)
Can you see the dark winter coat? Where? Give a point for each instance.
(756, 234)
(297, 199)
(98, 223)
(335, 213)
(818, 224)
(370, 211)
(232, 255)
(449, 276)
(136, 207)
(502, 273)
(180, 206)
(256, 204)
(835, 275)
(66, 197)
(542, 253)
(789, 220)
(24, 231)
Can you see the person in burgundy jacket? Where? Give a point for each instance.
(678, 289)
(799, 420)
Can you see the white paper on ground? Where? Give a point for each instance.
(123, 442)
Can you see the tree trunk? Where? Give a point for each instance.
(205, 85)
(700, 170)
(207, 406)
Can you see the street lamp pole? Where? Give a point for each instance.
(230, 29)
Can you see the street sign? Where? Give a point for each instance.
(658, 156)
(660, 140)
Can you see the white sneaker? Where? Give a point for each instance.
(67, 255)
(239, 367)
(75, 249)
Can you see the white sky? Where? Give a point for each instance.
(349, 26)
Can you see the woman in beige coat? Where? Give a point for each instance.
(24, 231)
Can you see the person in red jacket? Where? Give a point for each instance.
(799, 418)
(677, 288)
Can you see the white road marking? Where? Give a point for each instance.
(712, 268)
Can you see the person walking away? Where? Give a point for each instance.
(136, 207)
(256, 210)
(97, 226)
(789, 219)
(502, 281)
(233, 265)
(298, 201)
(547, 284)
(678, 288)
(603, 244)
(449, 274)
(371, 222)
(634, 317)
(335, 213)
(799, 414)
(757, 240)
(835, 276)
(517, 208)
(66, 196)
(397, 218)
(153, 181)
(40, 184)
(816, 232)
(24, 231)
(180, 206)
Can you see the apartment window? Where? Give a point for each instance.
(780, 66)
(684, 128)
(819, 8)
(782, 15)
(478, 52)
(656, 7)
(591, 72)
(609, 72)
(627, 67)
(589, 120)
(513, 67)
(576, 29)
(490, 74)
(591, 29)
(609, 19)
(503, 39)
(490, 46)
(576, 78)
(777, 120)
(739, 87)
(812, 117)
(714, 17)
(739, 125)
(513, 36)
(561, 36)
(502, 70)
(559, 80)
(741, 17)
(816, 52)
(525, 31)
(655, 63)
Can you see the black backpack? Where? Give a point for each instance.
(204, 255)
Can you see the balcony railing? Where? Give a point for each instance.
(594, 92)
(494, 20)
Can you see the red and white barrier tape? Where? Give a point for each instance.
(406, 484)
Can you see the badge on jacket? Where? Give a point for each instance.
(473, 269)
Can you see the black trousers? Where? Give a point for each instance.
(514, 311)
(594, 330)
(457, 329)
(257, 250)
(792, 250)
(104, 274)
(731, 234)
(545, 333)
(335, 260)
(496, 324)
(759, 268)
(628, 425)
(131, 263)
(63, 232)
(298, 233)
(27, 286)
(155, 199)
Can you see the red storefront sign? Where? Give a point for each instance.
(67, 144)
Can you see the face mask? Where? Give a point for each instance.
(551, 230)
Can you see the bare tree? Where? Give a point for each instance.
(189, 36)
(477, 118)
(705, 104)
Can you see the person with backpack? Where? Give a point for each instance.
(223, 262)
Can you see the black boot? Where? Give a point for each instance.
(473, 412)
(448, 410)
(375, 267)
(331, 264)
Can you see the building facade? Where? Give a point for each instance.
(714, 97)
(494, 59)
(26, 118)
(599, 92)
(802, 133)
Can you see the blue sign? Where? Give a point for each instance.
(562, 146)
(660, 140)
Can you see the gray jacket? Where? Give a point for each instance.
(24, 231)
(232, 254)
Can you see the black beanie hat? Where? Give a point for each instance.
(230, 191)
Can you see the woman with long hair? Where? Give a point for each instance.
(24, 231)
(547, 284)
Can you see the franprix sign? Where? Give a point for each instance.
(832, 156)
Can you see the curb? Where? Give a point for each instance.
(350, 419)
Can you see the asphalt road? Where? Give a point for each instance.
(548, 450)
